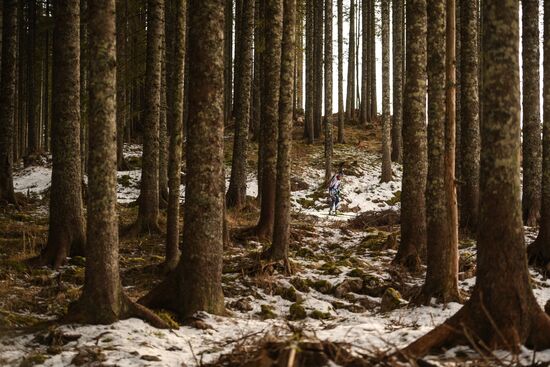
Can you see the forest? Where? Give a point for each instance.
(284, 183)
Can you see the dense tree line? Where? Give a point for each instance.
(81, 78)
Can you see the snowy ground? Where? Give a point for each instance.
(340, 277)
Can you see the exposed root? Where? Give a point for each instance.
(410, 261)
(163, 296)
(141, 227)
(426, 294)
(83, 311)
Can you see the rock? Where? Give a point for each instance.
(146, 357)
(319, 315)
(356, 273)
(372, 286)
(395, 199)
(242, 304)
(296, 312)
(297, 184)
(300, 284)
(330, 268)
(391, 300)
(267, 312)
(368, 303)
(288, 293)
(355, 308)
(87, 356)
(322, 286)
(349, 285)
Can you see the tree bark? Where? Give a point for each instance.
(413, 204)
(236, 194)
(350, 96)
(175, 35)
(32, 127)
(442, 236)
(196, 283)
(103, 300)
(328, 90)
(147, 220)
(532, 147)
(397, 118)
(228, 60)
(7, 99)
(365, 107)
(340, 11)
(308, 130)
(272, 62)
(281, 233)
(469, 159)
(386, 123)
(318, 68)
(372, 58)
(510, 314)
(66, 220)
(163, 133)
(121, 83)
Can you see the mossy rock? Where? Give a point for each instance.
(375, 241)
(300, 284)
(305, 253)
(267, 312)
(320, 315)
(74, 275)
(287, 293)
(354, 285)
(306, 203)
(167, 317)
(322, 286)
(396, 198)
(344, 262)
(124, 181)
(372, 286)
(356, 273)
(391, 300)
(77, 261)
(296, 312)
(13, 320)
(330, 268)
(33, 360)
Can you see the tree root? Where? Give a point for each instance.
(83, 312)
(410, 261)
(141, 227)
(163, 296)
(427, 293)
(464, 329)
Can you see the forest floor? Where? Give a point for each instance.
(343, 300)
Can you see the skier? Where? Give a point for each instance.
(334, 193)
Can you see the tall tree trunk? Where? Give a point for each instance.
(272, 62)
(442, 237)
(66, 220)
(195, 285)
(103, 300)
(511, 316)
(340, 10)
(328, 90)
(228, 60)
(32, 134)
(386, 122)
(256, 90)
(299, 45)
(84, 65)
(46, 95)
(236, 194)
(7, 98)
(397, 44)
(469, 159)
(350, 96)
(147, 220)
(413, 204)
(163, 134)
(120, 82)
(364, 63)
(260, 99)
(373, 90)
(281, 233)
(318, 68)
(532, 147)
(310, 75)
(175, 35)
